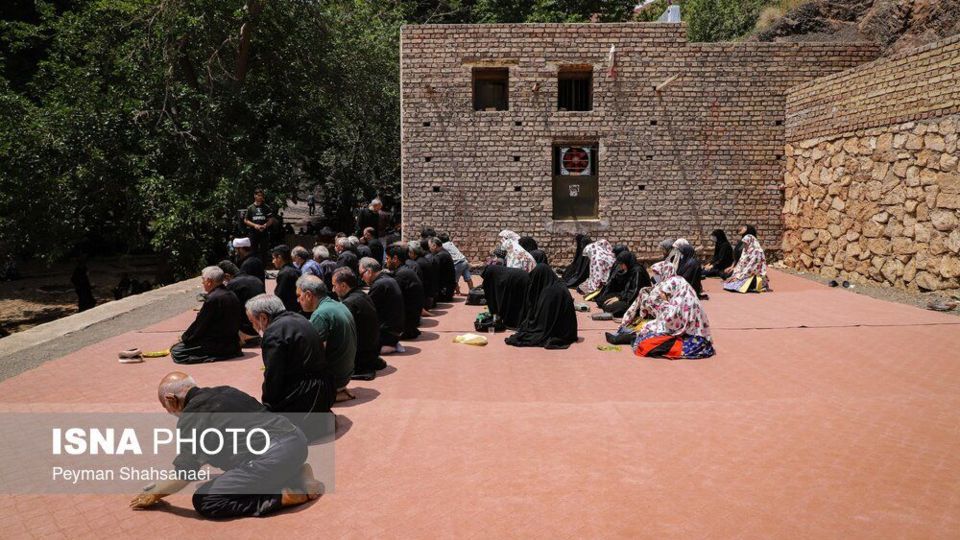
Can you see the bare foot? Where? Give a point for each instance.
(290, 497)
(312, 486)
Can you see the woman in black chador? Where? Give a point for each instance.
(579, 269)
(549, 320)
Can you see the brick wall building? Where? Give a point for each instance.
(486, 146)
(872, 176)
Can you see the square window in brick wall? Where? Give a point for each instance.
(491, 89)
(575, 88)
(575, 181)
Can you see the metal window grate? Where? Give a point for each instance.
(575, 89)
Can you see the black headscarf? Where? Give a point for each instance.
(539, 256)
(579, 270)
(689, 267)
(527, 243)
(505, 289)
(550, 320)
(625, 284)
(722, 251)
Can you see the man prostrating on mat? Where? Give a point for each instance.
(279, 473)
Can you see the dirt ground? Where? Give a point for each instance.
(43, 293)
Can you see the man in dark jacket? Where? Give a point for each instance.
(388, 299)
(373, 242)
(446, 273)
(262, 473)
(410, 286)
(249, 262)
(297, 377)
(245, 287)
(287, 277)
(215, 333)
(346, 256)
(368, 361)
(428, 274)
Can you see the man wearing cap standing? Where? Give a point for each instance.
(250, 264)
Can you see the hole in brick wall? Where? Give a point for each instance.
(516, 158)
(426, 124)
(427, 159)
(436, 189)
(653, 122)
(518, 188)
(642, 187)
(778, 123)
(649, 157)
(518, 123)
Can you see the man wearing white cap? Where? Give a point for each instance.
(249, 263)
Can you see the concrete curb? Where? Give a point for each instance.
(52, 330)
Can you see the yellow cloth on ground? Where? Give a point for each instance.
(471, 339)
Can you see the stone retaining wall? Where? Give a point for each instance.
(872, 191)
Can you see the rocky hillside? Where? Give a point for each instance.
(896, 24)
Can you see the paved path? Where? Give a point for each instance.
(824, 414)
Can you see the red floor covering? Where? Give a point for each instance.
(824, 414)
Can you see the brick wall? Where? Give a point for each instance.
(872, 186)
(713, 158)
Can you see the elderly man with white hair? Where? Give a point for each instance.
(370, 216)
(347, 255)
(215, 333)
(297, 377)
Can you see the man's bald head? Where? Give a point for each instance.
(173, 389)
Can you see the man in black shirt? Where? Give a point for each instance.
(259, 219)
(296, 376)
(376, 247)
(410, 286)
(446, 273)
(368, 361)
(245, 287)
(428, 273)
(346, 255)
(215, 333)
(249, 263)
(287, 277)
(370, 216)
(280, 472)
(388, 299)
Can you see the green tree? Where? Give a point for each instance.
(720, 20)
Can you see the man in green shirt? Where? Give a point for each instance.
(337, 329)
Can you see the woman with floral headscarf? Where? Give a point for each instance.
(602, 260)
(517, 257)
(647, 303)
(750, 273)
(680, 328)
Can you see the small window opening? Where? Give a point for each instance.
(491, 89)
(575, 88)
(436, 189)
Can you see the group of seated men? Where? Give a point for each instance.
(318, 328)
